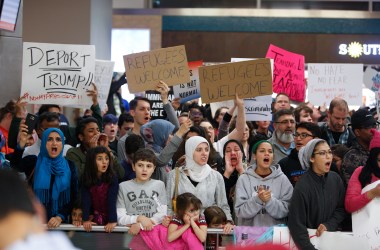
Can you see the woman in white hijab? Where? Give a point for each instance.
(198, 178)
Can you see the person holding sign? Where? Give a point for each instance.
(237, 134)
(318, 197)
(363, 176)
(140, 108)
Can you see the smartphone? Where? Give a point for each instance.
(31, 121)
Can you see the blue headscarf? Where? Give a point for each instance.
(45, 168)
(156, 133)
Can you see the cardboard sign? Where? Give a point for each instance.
(248, 79)
(366, 221)
(327, 81)
(371, 79)
(103, 79)
(258, 108)
(288, 73)
(189, 91)
(144, 70)
(327, 241)
(57, 73)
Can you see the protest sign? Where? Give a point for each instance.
(366, 221)
(327, 81)
(157, 107)
(288, 73)
(247, 79)
(258, 108)
(144, 70)
(57, 73)
(103, 79)
(371, 78)
(327, 241)
(189, 91)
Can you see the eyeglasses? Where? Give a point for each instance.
(324, 153)
(286, 122)
(302, 135)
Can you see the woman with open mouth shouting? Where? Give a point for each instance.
(54, 179)
(318, 197)
(234, 164)
(263, 192)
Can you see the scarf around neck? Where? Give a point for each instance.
(196, 172)
(46, 166)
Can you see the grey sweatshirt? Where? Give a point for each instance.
(210, 191)
(136, 199)
(250, 210)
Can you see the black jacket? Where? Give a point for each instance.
(291, 167)
(316, 200)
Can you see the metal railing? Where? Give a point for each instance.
(119, 237)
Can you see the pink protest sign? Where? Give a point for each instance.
(288, 73)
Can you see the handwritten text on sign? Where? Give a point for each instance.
(189, 91)
(57, 73)
(327, 81)
(144, 70)
(247, 79)
(103, 79)
(288, 73)
(258, 108)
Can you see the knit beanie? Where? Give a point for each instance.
(375, 142)
(306, 152)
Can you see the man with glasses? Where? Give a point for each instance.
(282, 138)
(290, 165)
(362, 122)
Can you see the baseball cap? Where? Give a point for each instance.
(362, 118)
(110, 118)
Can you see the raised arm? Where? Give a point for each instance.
(238, 132)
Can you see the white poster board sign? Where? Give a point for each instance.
(57, 73)
(327, 81)
(366, 221)
(371, 79)
(189, 91)
(258, 108)
(103, 79)
(327, 241)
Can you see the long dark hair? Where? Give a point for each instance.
(183, 203)
(240, 146)
(371, 167)
(90, 174)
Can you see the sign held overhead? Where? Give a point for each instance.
(144, 70)
(248, 79)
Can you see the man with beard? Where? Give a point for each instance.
(335, 131)
(362, 122)
(282, 138)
